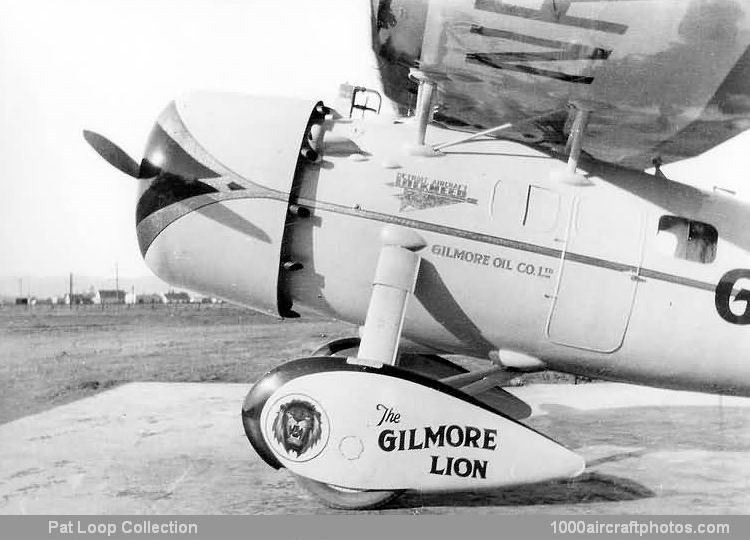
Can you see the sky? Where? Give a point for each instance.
(111, 66)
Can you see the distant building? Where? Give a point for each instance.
(111, 296)
(150, 299)
(81, 299)
(174, 297)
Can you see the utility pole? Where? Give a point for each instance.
(70, 291)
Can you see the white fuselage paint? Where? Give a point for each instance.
(573, 275)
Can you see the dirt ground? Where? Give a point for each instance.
(53, 356)
(641, 459)
(179, 448)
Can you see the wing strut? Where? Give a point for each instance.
(501, 127)
(570, 174)
(575, 139)
(425, 95)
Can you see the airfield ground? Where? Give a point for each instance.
(50, 356)
(176, 446)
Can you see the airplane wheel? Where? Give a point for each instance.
(346, 499)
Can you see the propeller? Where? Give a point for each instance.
(113, 154)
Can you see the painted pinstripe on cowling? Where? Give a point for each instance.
(154, 224)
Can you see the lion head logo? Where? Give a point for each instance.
(297, 426)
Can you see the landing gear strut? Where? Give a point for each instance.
(395, 278)
(358, 430)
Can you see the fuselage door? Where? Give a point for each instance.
(598, 275)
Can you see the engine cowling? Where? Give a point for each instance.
(214, 192)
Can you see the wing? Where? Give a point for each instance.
(665, 79)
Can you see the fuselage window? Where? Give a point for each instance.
(686, 239)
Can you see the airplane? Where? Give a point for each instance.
(502, 213)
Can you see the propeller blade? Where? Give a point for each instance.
(115, 156)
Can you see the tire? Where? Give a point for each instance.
(334, 496)
(346, 499)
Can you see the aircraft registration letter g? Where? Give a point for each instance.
(724, 298)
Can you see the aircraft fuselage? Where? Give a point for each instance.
(629, 277)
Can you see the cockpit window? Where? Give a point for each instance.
(686, 239)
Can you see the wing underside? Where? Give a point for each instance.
(664, 79)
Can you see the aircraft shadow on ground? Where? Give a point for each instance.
(590, 487)
(653, 428)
